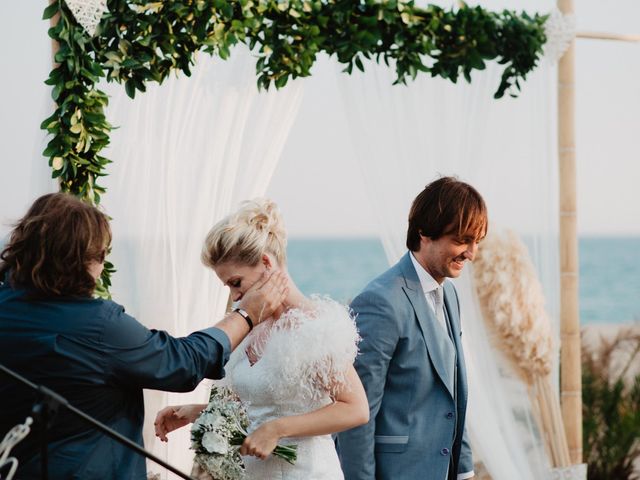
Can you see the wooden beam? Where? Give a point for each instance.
(608, 36)
(570, 366)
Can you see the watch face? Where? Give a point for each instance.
(244, 315)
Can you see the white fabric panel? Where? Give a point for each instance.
(406, 137)
(184, 155)
(26, 101)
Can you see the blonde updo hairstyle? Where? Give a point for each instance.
(246, 235)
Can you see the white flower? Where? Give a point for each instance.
(215, 443)
(211, 420)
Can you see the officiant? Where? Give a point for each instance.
(55, 333)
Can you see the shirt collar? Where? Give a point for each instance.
(427, 282)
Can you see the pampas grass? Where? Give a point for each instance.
(512, 304)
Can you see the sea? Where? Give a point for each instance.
(609, 282)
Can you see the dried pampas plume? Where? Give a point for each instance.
(512, 304)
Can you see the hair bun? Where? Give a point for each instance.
(244, 236)
(263, 215)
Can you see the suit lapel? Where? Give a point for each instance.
(439, 346)
(454, 316)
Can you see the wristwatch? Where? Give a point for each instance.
(245, 315)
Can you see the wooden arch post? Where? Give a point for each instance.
(570, 352)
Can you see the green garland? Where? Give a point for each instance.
(139, 41)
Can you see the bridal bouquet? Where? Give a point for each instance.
(218, 433)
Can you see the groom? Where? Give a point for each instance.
(411, 361)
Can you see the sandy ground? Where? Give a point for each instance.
(594, 335)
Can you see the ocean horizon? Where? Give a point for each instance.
(609, 277)
(609, 282)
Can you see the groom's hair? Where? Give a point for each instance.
(51, 247)
(446, 206)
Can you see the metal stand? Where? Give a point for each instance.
(45, 409)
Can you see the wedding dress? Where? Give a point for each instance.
(302, 358)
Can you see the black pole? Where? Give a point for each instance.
(48, 404)
(44, 445)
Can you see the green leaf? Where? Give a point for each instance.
(281, 81)
(48, 121)
(51, 150)
(224, 52)
(56, 91)
(130, 88)
(50, 11)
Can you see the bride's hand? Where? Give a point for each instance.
(174, 417)
(262, 441)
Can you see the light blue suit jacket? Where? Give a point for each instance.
(415, 379)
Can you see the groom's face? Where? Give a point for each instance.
(446, 256)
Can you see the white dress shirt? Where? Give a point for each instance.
(429, 287)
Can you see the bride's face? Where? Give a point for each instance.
(240, 277)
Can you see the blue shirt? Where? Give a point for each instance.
(99, 358)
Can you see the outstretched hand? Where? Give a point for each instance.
(175, 416)
(265, 296)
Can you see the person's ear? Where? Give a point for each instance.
(266, 261)
(424, 240)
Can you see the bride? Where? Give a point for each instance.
(294, 372)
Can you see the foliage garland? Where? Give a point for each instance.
(139, 41)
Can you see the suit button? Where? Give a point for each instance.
(444, 452)
(449, 415)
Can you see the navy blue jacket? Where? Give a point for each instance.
(99, 358)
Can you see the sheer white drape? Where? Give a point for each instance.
(26, 101)
(405, 138)
(185, 154)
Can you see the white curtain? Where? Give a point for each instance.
(26, 101)
(406, 137)
(185, 154)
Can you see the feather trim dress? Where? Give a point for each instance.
(302, 360)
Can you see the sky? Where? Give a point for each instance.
(317, 180)
(318, 158)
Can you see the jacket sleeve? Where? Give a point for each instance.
(465, 464)
(378, 329)
(137, 356)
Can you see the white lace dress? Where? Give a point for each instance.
(302, 360)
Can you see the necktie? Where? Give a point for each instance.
(439, 307)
